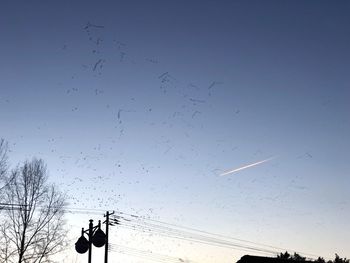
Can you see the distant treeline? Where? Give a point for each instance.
(297, 257)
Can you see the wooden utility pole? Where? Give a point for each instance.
(90, 238)
(107, 225)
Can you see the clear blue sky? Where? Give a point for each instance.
(138, 106)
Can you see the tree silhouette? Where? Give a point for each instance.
(32, 229)
(320, 260)
(3, 161)
(340, 260)
(297, 257)
(284, 255)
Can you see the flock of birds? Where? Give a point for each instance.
(193, 101)
(189, 113)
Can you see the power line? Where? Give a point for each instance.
(146, 254)
(275, 250)
(176, 233)
(139, 223)
(212, 243)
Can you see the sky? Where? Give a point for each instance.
(142, 107)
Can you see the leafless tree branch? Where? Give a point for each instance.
(34, 222)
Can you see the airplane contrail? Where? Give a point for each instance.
(246, 166)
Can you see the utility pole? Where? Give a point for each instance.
(107, 225)
(90, 239)
(96, 237)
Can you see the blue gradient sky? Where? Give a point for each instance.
(147, 109)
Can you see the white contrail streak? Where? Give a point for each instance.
(246, 166)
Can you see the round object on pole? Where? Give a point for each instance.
(82, 245)
(99, 238)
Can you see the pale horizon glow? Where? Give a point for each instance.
(246, 166)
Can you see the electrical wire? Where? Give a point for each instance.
(217, 238)
(144, 224)
(146, 254)
(213, 243)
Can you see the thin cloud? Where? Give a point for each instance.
(246, 166)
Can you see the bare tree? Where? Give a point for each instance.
(3, 169)
(33, 229)
(3, 159)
